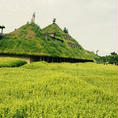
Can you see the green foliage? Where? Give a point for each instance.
(65, 30)
(59, 90)
(54, 20)
(111, 59)
(36, 29)
(11, 62)
(30, 40)
(53, 28)
(113, 53)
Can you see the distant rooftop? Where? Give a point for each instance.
(1, 26)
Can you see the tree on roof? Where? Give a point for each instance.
(54, 20)
(113, 53)
(65, 30)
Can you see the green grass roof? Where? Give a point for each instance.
(30, 40)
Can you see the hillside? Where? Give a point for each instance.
(59, 90)
(31, 40)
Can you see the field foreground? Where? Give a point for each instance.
(59, 90)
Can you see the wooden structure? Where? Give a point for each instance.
(1, 33)
(34, 58)
(52, 35)
(2, 27)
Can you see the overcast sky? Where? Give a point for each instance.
(91, 22)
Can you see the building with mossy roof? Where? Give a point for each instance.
(50, 44)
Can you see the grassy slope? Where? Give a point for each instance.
(54, 28)
(11, 62)
(29, 39)
(60, 90)
(80, 53)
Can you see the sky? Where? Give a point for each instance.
(91, 22)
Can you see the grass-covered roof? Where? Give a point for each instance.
(30, 40)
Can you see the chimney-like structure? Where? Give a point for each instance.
(33, 18)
